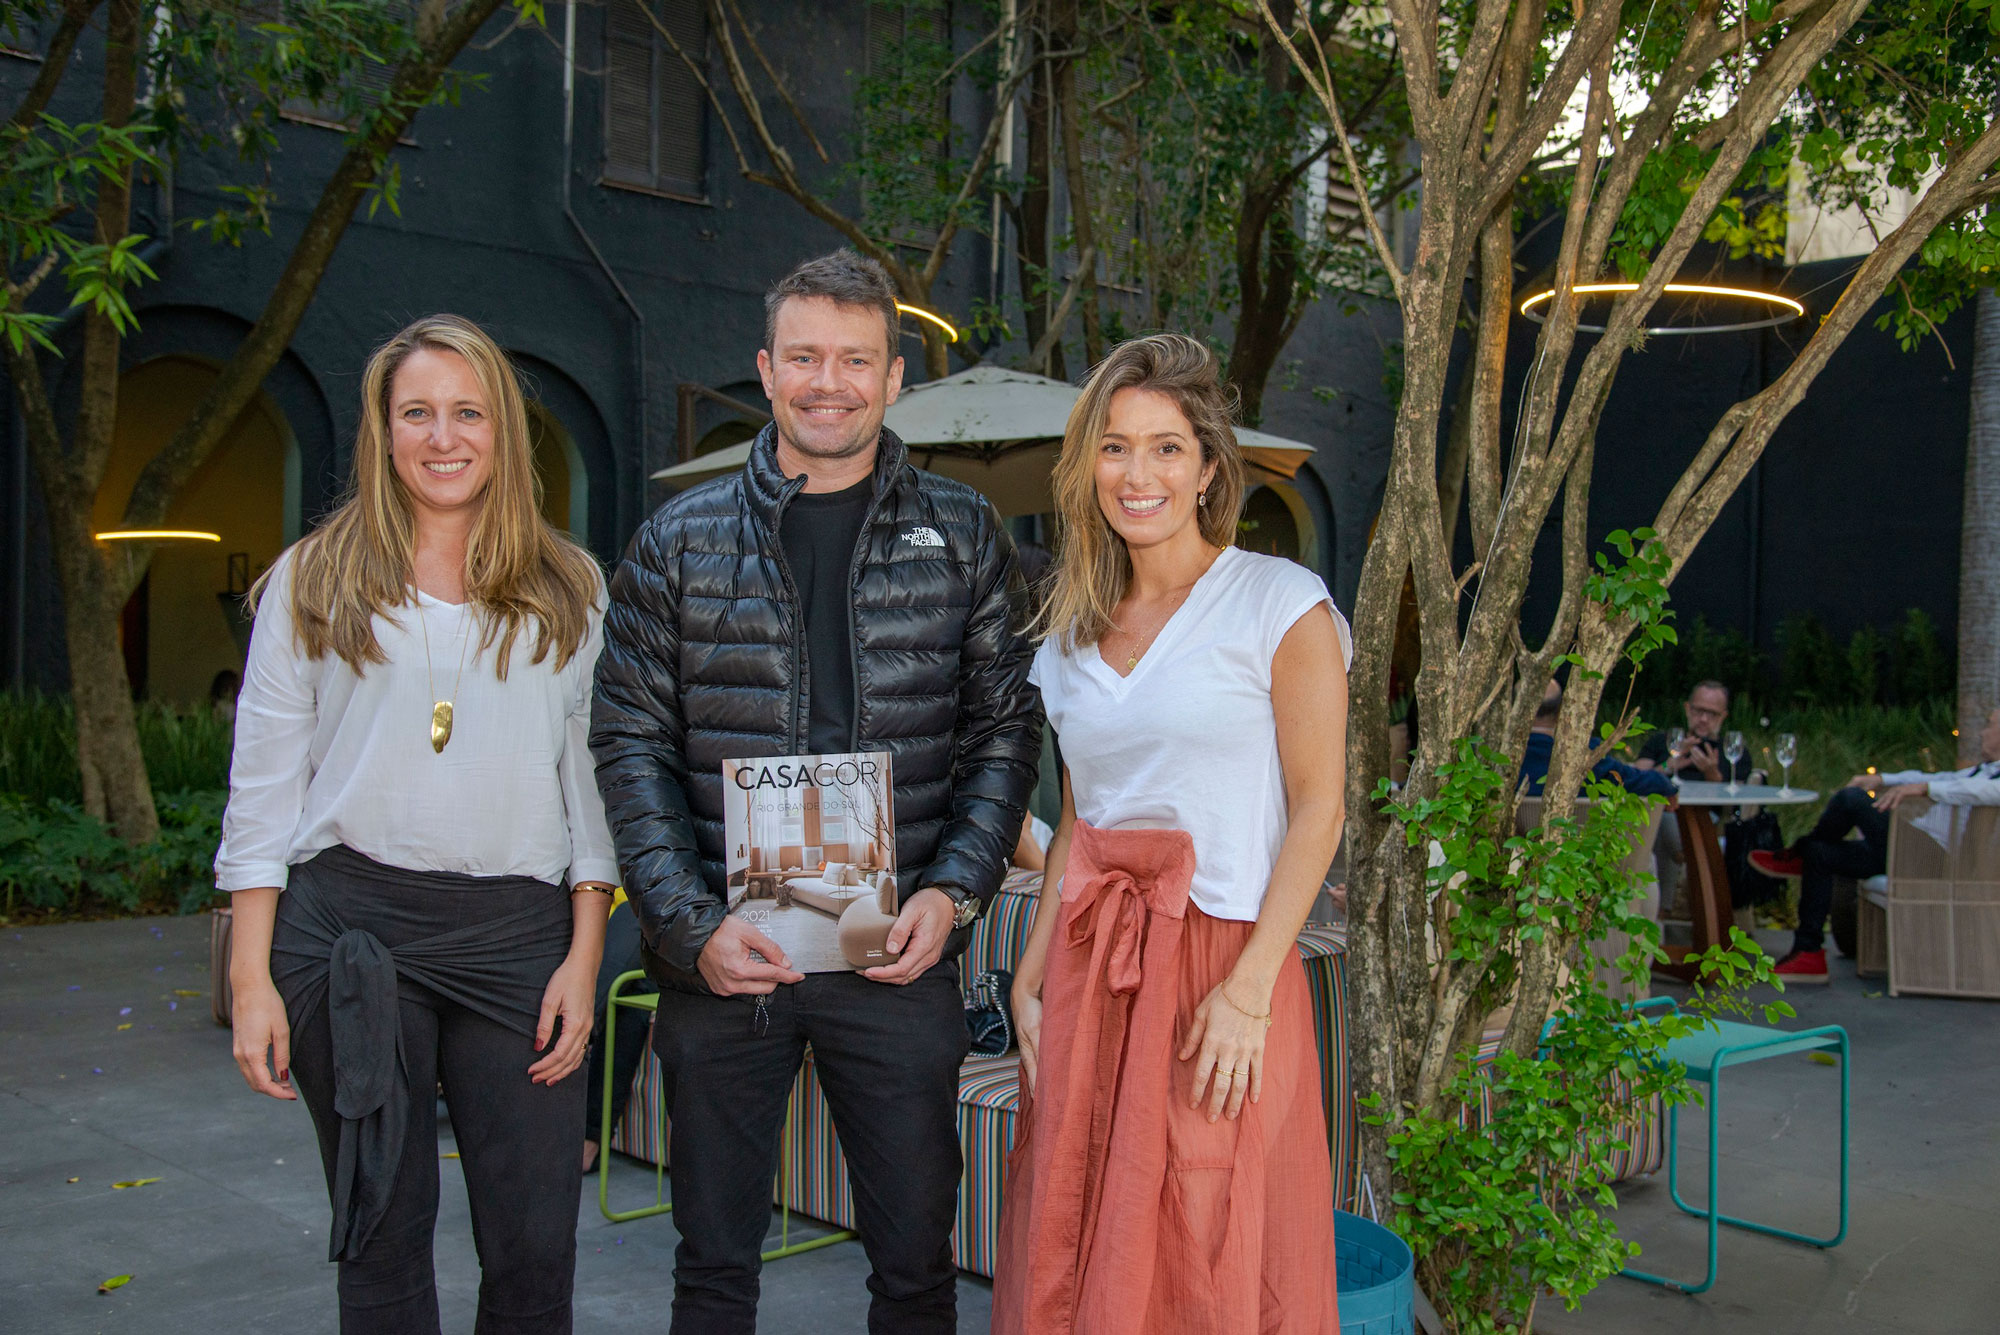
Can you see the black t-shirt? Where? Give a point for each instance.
(820, 531)
(1656, 750)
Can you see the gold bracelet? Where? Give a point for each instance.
(1223, 992)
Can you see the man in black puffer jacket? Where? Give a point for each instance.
(830, 597)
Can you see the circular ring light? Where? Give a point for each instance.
(157, 535)
(1787, 309)
(950, 333)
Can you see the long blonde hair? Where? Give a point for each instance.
(518, 568)
(1093, 567)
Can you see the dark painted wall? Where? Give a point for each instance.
(482, 232)
(1852, 515)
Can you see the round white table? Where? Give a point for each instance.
(1697, 793)
(1710, 909)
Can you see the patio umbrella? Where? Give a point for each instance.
(996, 430)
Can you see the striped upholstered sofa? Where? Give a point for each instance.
(989, 1096)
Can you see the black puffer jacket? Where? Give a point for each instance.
(704, 661)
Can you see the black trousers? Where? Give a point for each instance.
(888, 1058)
(624, 951)
(517, 1140)
(1828, 853)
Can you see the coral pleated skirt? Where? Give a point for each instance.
(1126, 1210)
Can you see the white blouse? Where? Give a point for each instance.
(326, 756)
(1189, 741)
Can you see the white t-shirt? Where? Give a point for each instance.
(1189, 741)
(326, 757)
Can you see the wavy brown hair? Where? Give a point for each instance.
(520, 572)
(1093, 567)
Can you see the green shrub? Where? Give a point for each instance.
(184, 752)
(1520, 1204)
(1864, 666)
(1919, 668)
(1814, 669)
(1904, 665)
(57, 858)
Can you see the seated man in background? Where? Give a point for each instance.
(1541, 740)
(1826, 852)
(1698, 756)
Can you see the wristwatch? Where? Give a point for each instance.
(966, 907)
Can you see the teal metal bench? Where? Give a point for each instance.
(1706, 1054)
(650, 1003)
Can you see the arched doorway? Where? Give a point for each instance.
(1278, 523)
(559, 465)
(184, 625)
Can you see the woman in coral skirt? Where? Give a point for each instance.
(1171, 1170)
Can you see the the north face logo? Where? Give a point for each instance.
(924, 536)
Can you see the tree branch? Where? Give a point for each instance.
(784, 90)
(411, 87)
(55, 62)
(1039, 355)
(1589, 41)
(701, 79)
(1323, 88)
(1698, 497)
(97, 402)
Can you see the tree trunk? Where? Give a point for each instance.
(1082, 225)
(96, 583)
(115, 786)
(1033, 261)
(1979, 538)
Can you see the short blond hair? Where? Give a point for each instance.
(1093, 568)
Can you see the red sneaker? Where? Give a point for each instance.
(1778, 865)
(1802, 966)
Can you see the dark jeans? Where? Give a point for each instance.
(888, 1059)
(623, 952)
(1828, 853)
(516, 1144)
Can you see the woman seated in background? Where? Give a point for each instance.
(416, 847)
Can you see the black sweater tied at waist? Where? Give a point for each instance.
(359, 936)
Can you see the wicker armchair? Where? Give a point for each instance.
(1941, 905)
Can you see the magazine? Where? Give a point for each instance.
(811, 855)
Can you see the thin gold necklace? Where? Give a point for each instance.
(1139, 650)
(440, 709)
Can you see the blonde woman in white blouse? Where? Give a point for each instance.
(415, 846)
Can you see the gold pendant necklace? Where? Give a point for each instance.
(1139, 649)
(440, 709)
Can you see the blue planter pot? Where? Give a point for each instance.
(1377, 1278)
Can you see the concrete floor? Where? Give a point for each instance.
(1922, 1253)
(232, 1238)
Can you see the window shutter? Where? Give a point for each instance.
(655, 113)
(683, 106)
(628, 94)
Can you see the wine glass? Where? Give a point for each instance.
(1675, 736)
(1787, 752)
(1732, 751)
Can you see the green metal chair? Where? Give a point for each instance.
(1706, 1054)
(650, 1003)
